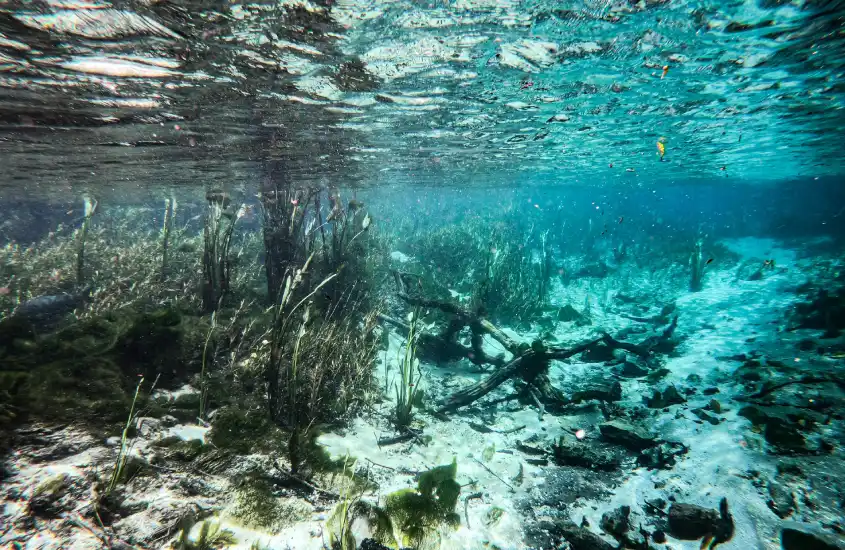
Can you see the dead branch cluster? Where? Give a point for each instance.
(529, 363)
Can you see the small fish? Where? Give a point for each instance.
(366, 223)
(708, 261)
(661, 148)
(621, 219)
(665, 70)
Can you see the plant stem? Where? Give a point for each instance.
(121, 454)
(203, 385)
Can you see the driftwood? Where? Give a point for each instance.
(809, 379)
(527, 366)
(530, 364)
(531, 367)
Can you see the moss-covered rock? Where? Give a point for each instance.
(245, 431)
(152, 346)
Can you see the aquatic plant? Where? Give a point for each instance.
(505, 266)
(348, 252)
(319, 366)
(697, 266)
(409, 385)
(409, 518)
(417, 513)
(211, 537)
(340, 521)
(217, 240)
(285, 210)
(515, 286)
(89, 211)
(167, 226)
(125, 447)
(205, 360)
(117, 265)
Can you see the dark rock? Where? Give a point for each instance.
(710, 391)
(801, 537)
(636, 540)
(587, 456)
(694, 379)
(754, 414)
(825, 312)
(704, 415)
(569, 314)
(669, 396)
(750, 376)
(655, 505)
(784, 437)
(627, 435)
(616, 522)
(47, 496)
(659, 537)
(580, 538)
(632, 370)
(787, 467)
(781, 500)
(691, 522)
(663, 456)
(599, 392)
(715, 406)
(807, 344)
(657, 375)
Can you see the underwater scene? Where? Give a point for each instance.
(425, 275)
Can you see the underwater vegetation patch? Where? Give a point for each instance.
(410, 517)
(245, 431)
(416, 513)
(257, 507)
(87, 370)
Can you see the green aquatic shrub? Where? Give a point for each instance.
(504, 266)
(319, 369)
(417, 513)
(409, 518)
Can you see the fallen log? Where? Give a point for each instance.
(527, 366)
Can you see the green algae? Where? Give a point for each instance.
(245, 431)
(416, 514)
(256, 507)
